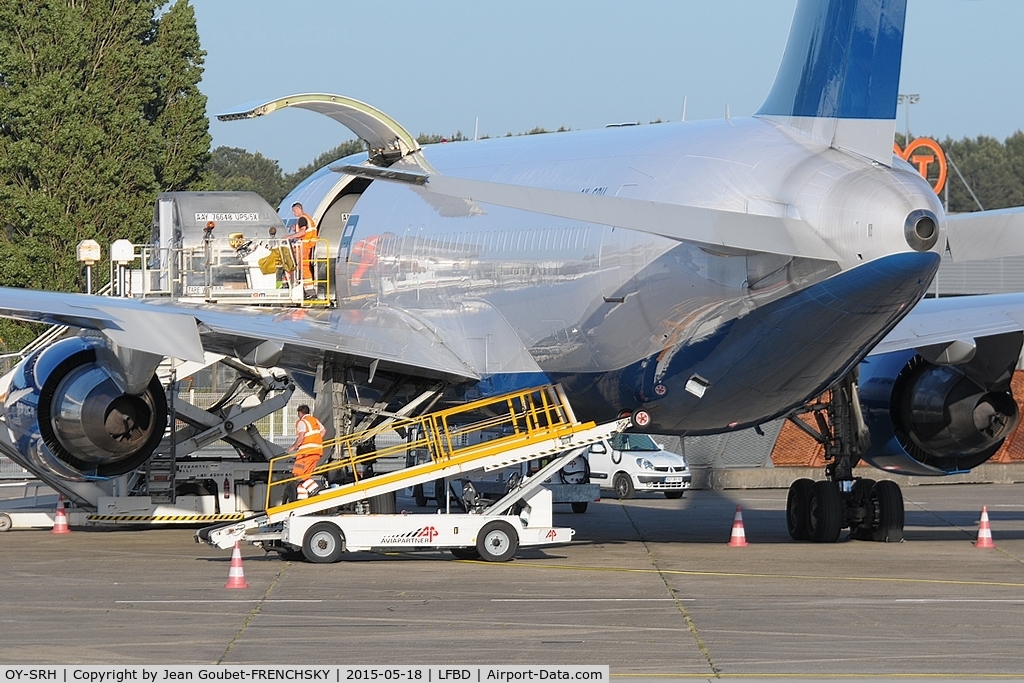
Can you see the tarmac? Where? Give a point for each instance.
(649, 587)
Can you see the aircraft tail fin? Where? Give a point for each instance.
(840, 74)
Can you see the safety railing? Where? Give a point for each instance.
(234, 269)
(467, 432)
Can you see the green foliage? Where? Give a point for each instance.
(347, 148)
(99, 111)
(179, 110)
(994, 170)
(235, 169)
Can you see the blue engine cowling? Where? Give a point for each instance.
(68, 415)
(927, 418)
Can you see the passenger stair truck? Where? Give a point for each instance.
(537, 423)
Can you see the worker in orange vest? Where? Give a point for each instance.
(305, 232)
(308, 448)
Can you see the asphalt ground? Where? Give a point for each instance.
(649, 587)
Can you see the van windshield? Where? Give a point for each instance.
(633, 442)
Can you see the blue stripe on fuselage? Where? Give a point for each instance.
(842, 61)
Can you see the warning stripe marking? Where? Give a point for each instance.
(165, 518)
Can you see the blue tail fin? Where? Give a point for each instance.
(840, 74)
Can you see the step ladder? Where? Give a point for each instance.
(484, 435)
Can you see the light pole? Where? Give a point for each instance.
(906, 101)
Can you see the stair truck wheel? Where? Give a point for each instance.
(497, 541)
(796, 509)
(323, 543)
(465, 553)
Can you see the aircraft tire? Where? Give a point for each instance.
(497, 541)
(825, 512)
(796, 509)
(323, 543)
(887, 501)
(861, 495)
(623, 486)
(421, 498)
(465, 553)
(383, 504)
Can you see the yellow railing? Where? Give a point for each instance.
(472, 430)
(319, 265)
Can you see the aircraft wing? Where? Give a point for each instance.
(298, 336)
(984, 235)
(712, 227)
(941, 321)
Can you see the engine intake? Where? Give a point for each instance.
(69, 415)
(926, 418)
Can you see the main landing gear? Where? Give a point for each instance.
(819, 510)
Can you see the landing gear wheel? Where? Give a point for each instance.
(623, 486)
(796, 509)
(673, 495)
(421, 498)
(887, 503)
(579, 508)
(465, 553)
(440, 487)
(497, 541)
(860, 496)
(825, 512)
(291, 555)
(323, 543)
(640, 418)
(383, 504)
(6, 523)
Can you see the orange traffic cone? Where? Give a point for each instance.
(60, 518)
(236, 577)
(984, 531)
(739, 537)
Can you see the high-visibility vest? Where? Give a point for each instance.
(310, 235)
(312, 439)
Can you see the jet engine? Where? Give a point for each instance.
(940, 410)
(75, 411)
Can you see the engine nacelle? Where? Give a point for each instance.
(69, 415)
(927, 418)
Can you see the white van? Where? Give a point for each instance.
(627, 463)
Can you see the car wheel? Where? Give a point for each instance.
(623, 486)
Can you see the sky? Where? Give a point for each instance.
(506, 67)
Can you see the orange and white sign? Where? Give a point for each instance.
(923, 161)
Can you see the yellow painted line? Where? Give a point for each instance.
(744, 575)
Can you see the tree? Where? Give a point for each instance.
(98, 112)
(179, 111)
(989, 168)
(235, 169)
